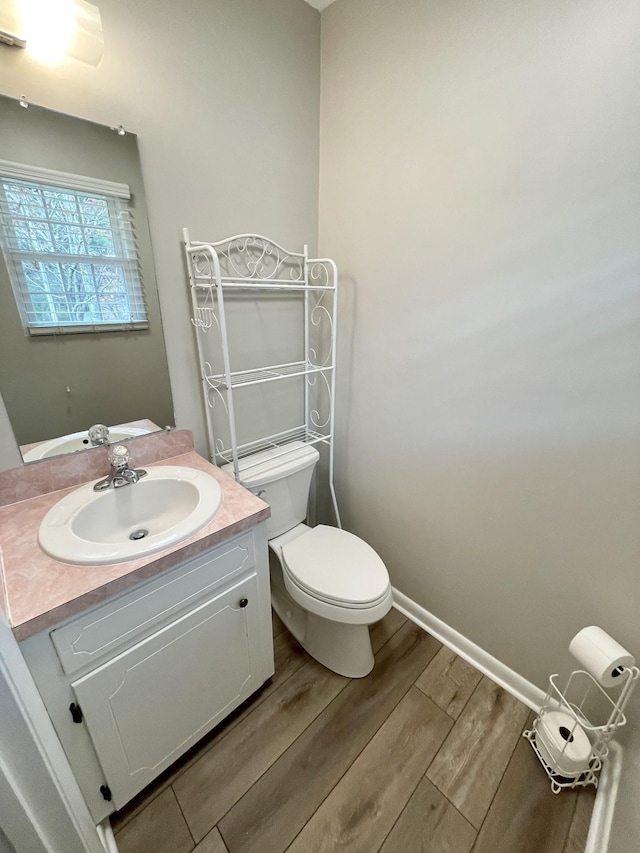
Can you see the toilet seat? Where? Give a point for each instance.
(336, 567)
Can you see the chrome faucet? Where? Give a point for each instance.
(120, 474)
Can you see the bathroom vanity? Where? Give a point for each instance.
(136, 662)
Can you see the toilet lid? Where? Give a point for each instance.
(334, 565)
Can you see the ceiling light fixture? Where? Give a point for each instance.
(53, 30)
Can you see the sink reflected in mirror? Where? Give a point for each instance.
(99, 528)
(80, 441)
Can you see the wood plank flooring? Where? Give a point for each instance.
(424, 755)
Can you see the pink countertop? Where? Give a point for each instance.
(39, 591)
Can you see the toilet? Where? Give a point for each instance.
(327, 585)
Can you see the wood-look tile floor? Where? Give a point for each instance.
(425, 755)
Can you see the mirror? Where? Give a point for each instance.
(58, 384)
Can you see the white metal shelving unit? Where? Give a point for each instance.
(255, 265)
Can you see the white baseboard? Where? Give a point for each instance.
(105, 834)
(532, 697)
(524, 690)
(604, 806)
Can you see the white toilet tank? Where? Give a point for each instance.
(281, 476)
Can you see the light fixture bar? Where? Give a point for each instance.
(12, 40)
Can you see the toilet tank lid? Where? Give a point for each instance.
(274, 463)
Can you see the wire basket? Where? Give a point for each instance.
(571, 734)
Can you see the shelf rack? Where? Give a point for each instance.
(256, 265)
(258, 376)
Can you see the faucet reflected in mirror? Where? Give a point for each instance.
(59, 381)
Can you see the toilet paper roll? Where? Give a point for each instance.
(563, 743)
(600, 655)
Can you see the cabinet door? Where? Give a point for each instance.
(147, 706)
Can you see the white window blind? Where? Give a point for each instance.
(70, 250)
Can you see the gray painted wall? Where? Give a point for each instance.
(9, 453)
(5, 846)
(480, 191)
(223, 95)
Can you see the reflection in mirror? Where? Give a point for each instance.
(81, 338)
(83, 440)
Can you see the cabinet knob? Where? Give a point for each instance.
(243, 602)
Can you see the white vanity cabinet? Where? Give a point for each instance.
(133, 683)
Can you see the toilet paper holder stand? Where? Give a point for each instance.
(588, 707)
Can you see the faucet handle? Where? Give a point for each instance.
(99, 434)
(119, 456)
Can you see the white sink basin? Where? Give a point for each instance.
(96, 528)
(78, 441)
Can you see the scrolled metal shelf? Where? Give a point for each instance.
(258, 376)
(249, 262)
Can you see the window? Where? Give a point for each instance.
(70, 251)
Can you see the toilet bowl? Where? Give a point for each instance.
(327, 585)
(337, 596)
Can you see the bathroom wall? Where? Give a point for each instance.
(9, 453)
(480, 191)
(5, 846)
(223, 95)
